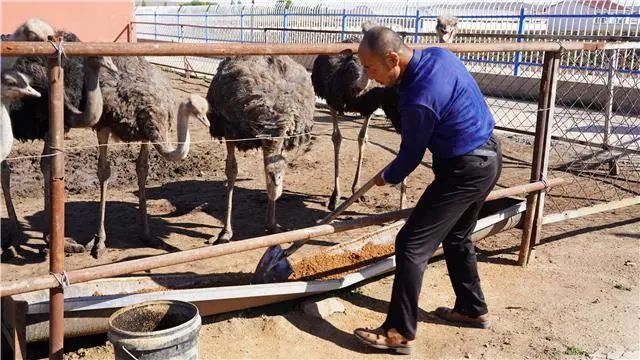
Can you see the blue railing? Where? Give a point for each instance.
(412, 22)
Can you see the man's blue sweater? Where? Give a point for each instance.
(441, 108)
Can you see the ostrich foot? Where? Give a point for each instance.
(70, 245)
(96, 246)
(333, 201)
(222, 238)
(276, 228)
(8, 253)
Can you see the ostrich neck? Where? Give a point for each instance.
(6, 133)
(181, 150)
(93, 105)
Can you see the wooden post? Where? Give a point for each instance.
(539, 164)
(56, 221)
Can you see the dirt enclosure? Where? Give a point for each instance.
(578, 299)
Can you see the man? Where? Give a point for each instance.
(442, 109)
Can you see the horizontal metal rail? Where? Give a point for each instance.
(152, 262)
(12, 48)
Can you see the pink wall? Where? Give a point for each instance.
(90, 20)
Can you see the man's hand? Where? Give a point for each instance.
(379, 180)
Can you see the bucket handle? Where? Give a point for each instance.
(129, 353)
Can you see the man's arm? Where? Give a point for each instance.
(417, 126)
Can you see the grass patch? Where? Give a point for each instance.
(622, 287)
(573, 350)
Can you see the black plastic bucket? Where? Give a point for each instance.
(155, 330)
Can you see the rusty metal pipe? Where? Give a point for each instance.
(56, 217)
(158, 261)
(12, 48)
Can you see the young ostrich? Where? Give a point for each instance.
(260, 96)
(15, 85)
(139, 107)
(446, 28)
(30, 116)
(342, 81)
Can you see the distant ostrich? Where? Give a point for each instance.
(139, 107)
(254, 97)
(30, 116)
(342, 81)
(446, 28)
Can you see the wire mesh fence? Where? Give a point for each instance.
(597, 132)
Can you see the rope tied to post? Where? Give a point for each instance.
(59, 51)
(62, 278)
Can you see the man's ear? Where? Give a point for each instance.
(392, 58)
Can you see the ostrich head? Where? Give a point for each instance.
(446, 28)
(198, 107)
(33, 30)
(97, 62)
(15, 85)
(351, 75)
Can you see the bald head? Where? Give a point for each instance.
(381, 40)
(384, 55)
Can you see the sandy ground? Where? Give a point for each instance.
(579, 297)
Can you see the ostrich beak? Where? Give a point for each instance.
(29, 91)
(203, 119)
(107, 63)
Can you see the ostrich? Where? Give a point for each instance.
(15, 85)
(32, 30)
(139, 107)
(30, 116)
(446, 28)
(260, 96)
(342, 81)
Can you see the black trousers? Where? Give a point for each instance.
(446, 213)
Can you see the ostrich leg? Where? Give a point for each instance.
(231, 171)
(274, 169)
(363, 139)
(142, 170)
(16, 234)
(403, 194)
(336, 137)
(104, 173)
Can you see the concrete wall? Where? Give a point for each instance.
(595, 96)
(90, 20)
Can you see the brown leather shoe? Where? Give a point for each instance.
(455, 317)
(391, 340)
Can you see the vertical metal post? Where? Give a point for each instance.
(518, 55)
(285, 19)
(417, 27)
(56, 221)
(540, 161)
(242, 25)
(155, 24)
(206, 30)
(344, 24)
(253, 3)
(611, 84)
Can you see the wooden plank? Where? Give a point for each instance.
(572, 214)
